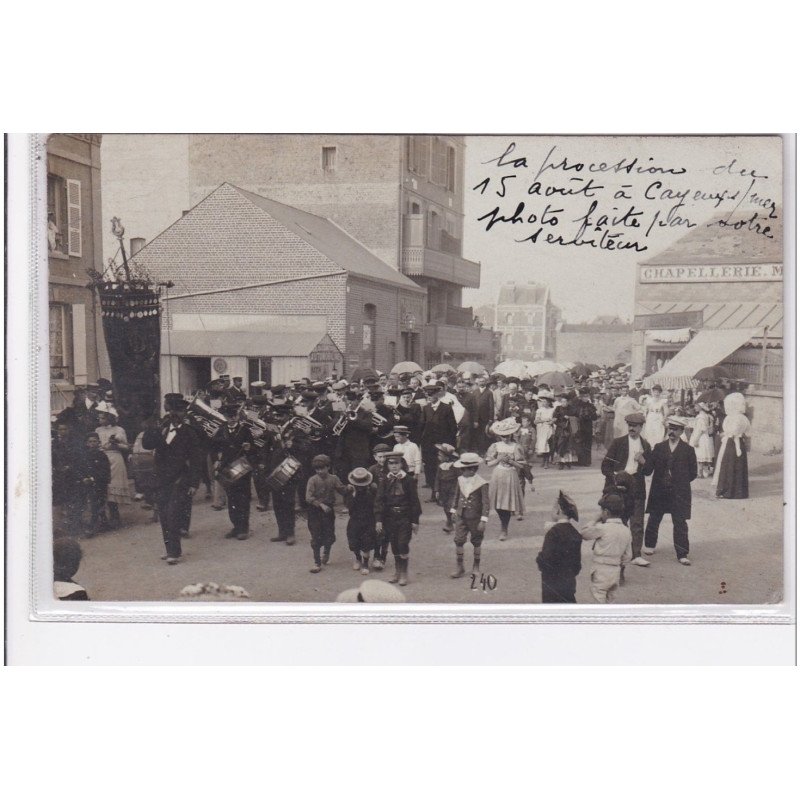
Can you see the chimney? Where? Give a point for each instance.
(137, 243)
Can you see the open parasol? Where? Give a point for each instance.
(363, 372)
(712, 373)
(442, 369)
(472, 367)
(406, 366)
(556, 379)
(511, 368)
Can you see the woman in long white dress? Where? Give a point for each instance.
(623, 405)
(508, 459)
(656, 413)
(544, 428)
(114, 444)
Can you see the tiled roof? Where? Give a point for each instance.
(235, 238)
(711, 244)
(332, 241)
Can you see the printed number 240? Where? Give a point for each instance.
(485, 582)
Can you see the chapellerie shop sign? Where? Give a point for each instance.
(717, 273)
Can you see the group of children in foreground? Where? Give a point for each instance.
(384, 511)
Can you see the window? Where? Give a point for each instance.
(439, 163)
(259, 369)
(59, 338)
(392, 355)
(509, 318)
(451, 169)
(56, 214)
(368, 336)
(329, 159)
(418, 151)
(434, 224)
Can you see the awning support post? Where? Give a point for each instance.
(763, 369)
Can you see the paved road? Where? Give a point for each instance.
(736, 551)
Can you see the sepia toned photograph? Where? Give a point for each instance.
(414, 368)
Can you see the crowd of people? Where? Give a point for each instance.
(376, 443)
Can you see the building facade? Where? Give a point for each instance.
(526, 321)
(715, 297)
(604, 341)
(402, 197)
(74, 245)
(269, 292)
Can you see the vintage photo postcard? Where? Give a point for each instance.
(483, 376)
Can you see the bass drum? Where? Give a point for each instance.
(234, 472)
(283, 473)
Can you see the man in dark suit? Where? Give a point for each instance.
(236, 393)
(178, 455)
(438, 427)
(510, 401)
(674, 469)
(627, 462)
(482, 413)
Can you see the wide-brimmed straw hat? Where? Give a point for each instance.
(468, 460)
(505, 427)
(360, 477)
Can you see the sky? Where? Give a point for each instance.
(720, 173)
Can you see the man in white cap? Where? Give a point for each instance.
(674, 469)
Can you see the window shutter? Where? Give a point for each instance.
(74, 218)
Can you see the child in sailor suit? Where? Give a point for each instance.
(470, 510)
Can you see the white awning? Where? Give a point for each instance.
(673, 336)
(707, 349)
(238, 343)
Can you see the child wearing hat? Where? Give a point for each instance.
(470, 510)
(408, 449)
(559, 560)
(611, 548)
(444, 485)
(360, 502)
(507, 458)
(397, 513)
(321, 492)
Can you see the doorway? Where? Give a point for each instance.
(194, 374)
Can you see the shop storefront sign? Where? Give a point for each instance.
(717, 273)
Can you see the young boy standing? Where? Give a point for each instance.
(397, 513)
(559, 560)
(611, 550)
(98, 469)
(470, 510)
(321, 492)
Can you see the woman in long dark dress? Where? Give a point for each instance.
(565, 422)
(730, 475)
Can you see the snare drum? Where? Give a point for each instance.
(234, 472)
(283, 473)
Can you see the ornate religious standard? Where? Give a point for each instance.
(130, 303)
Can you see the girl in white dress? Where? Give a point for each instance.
(702, 440)
(114, 443)
(543, 420)
(656, 412)
(507, 458)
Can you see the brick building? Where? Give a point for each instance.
(267, 291)
(526, 321)
(402, 197)
(604, 341)
(74, 245)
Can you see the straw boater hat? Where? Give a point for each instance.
(469, 460)
(676, 422)
(403, 429)
(505, 427)
(447, 449)
(360, 477)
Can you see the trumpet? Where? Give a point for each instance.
(345, 417)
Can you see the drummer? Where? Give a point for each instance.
(231, 443)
